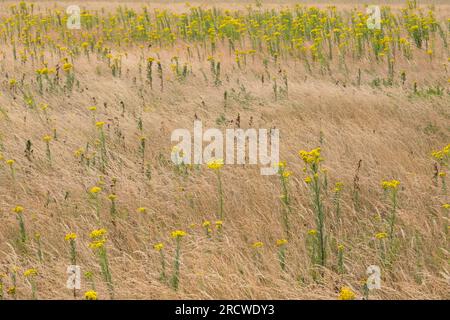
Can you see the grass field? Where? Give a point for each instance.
(86, 176)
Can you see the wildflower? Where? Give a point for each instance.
(381, 235)
(112, 197)
(310, 157)
(67, 67)
(95, 190)
(141, 210)
(47, 138)
(219, 224)
(346, 294)
(18, 209)
(98, 233)
(30, 273)
(215, 164)
(99, 124)
(97, 244)
(281, 242)
(206, 224)
(338, 186)
(258, 244)
(70, 237)
(178, 234)
(10, 162)
(392, 184)
(312, 232)
(90, 295)
(158, 247)
(446, 206)
(308, 180)
(286, 174)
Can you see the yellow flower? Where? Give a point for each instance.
(310, 157)
(346, 294)
(442, 174)
(158, 247)
(97, 244)
(178, 234)
(338, 186)
(215, 164)
(98, 233)
(312, 232)
(308, 180)
(10, 162)
(281, 242)
(341, 247)
(47, 138)
(112, 197)
(90, 295)
(446, 206)
(70, 236)
(67, 67)
(286, 174)
(11, 291)
(99, 124)
(30, 273)
(219, 224)
(206, 224)
(93, 108)
(18, 209)
(95, 190)
(381, 235)
(258, 244)
(392, 184)
(141, 210)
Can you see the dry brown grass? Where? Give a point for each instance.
(390, 130)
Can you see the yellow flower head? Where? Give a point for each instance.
(219, 224)
(308, 180)
(215, 164)
(338, 186)
(67, 66)
(312, 232)
(392, 184)
(112, 197)
(341, 247)
(90, 295)
(258, 244)
(95, 190)
(98, 234)
(141, 210)
(99, 124)
(178, 234)
(70, 236)
(10, 162)
(346, 294)
(30, 273)
(310, 157)
(446, 206)
(18, 209)
(281, 242)
(158, 247)
(93, 108)
(206, 223)
(286, 174)
(381, 235)
(47, 138)
(97, 244)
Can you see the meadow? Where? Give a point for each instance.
(86, 176)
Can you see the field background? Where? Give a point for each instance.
(390, 130)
